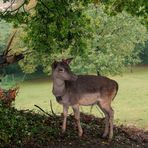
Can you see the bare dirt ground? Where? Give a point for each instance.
(93, 129)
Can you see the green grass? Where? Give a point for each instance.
(130, 105)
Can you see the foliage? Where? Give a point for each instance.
(110, 47)
(96, 40)
(29, 129)
(20, 125)
(9, 81)
(17, 14)
(5, 30)
(134, 7)
(55, 27)
(114, 43)
(144, 54)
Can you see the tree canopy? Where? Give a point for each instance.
(115, 41)
(134, 7)
(85, 30)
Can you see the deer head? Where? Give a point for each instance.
(62, 71)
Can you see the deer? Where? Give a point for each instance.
(6, 58)
(71, 90)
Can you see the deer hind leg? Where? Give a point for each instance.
(109, 116)
(77, 117)
(65, 113)
(106, 130)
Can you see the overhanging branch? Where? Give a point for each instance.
(14, 6)
(44, 5)
(9, 6)
(18, 8)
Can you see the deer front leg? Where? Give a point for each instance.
(65, 113)
(77, 117)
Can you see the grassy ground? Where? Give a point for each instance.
(130, 105)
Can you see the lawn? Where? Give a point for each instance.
(130, 105)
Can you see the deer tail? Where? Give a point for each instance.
(116, 89)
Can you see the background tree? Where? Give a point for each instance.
(134, 7)
(115, 41)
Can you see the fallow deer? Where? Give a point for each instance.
(76, 90)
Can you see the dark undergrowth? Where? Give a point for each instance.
(28, 129)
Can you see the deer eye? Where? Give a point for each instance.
(61, 70)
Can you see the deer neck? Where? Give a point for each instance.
(58, 87)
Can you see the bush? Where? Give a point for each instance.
(19, 126)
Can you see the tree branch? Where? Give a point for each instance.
(13, 9)
(44, 5)
(18, 8)
(9, 43)
(9, 6)
(42, 110)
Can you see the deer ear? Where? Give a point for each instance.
(67, 61)
(54, 65)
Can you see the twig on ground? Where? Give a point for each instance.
(42, 110)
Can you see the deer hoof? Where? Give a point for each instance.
(109, 140)
(63, 130)
(104, 135)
